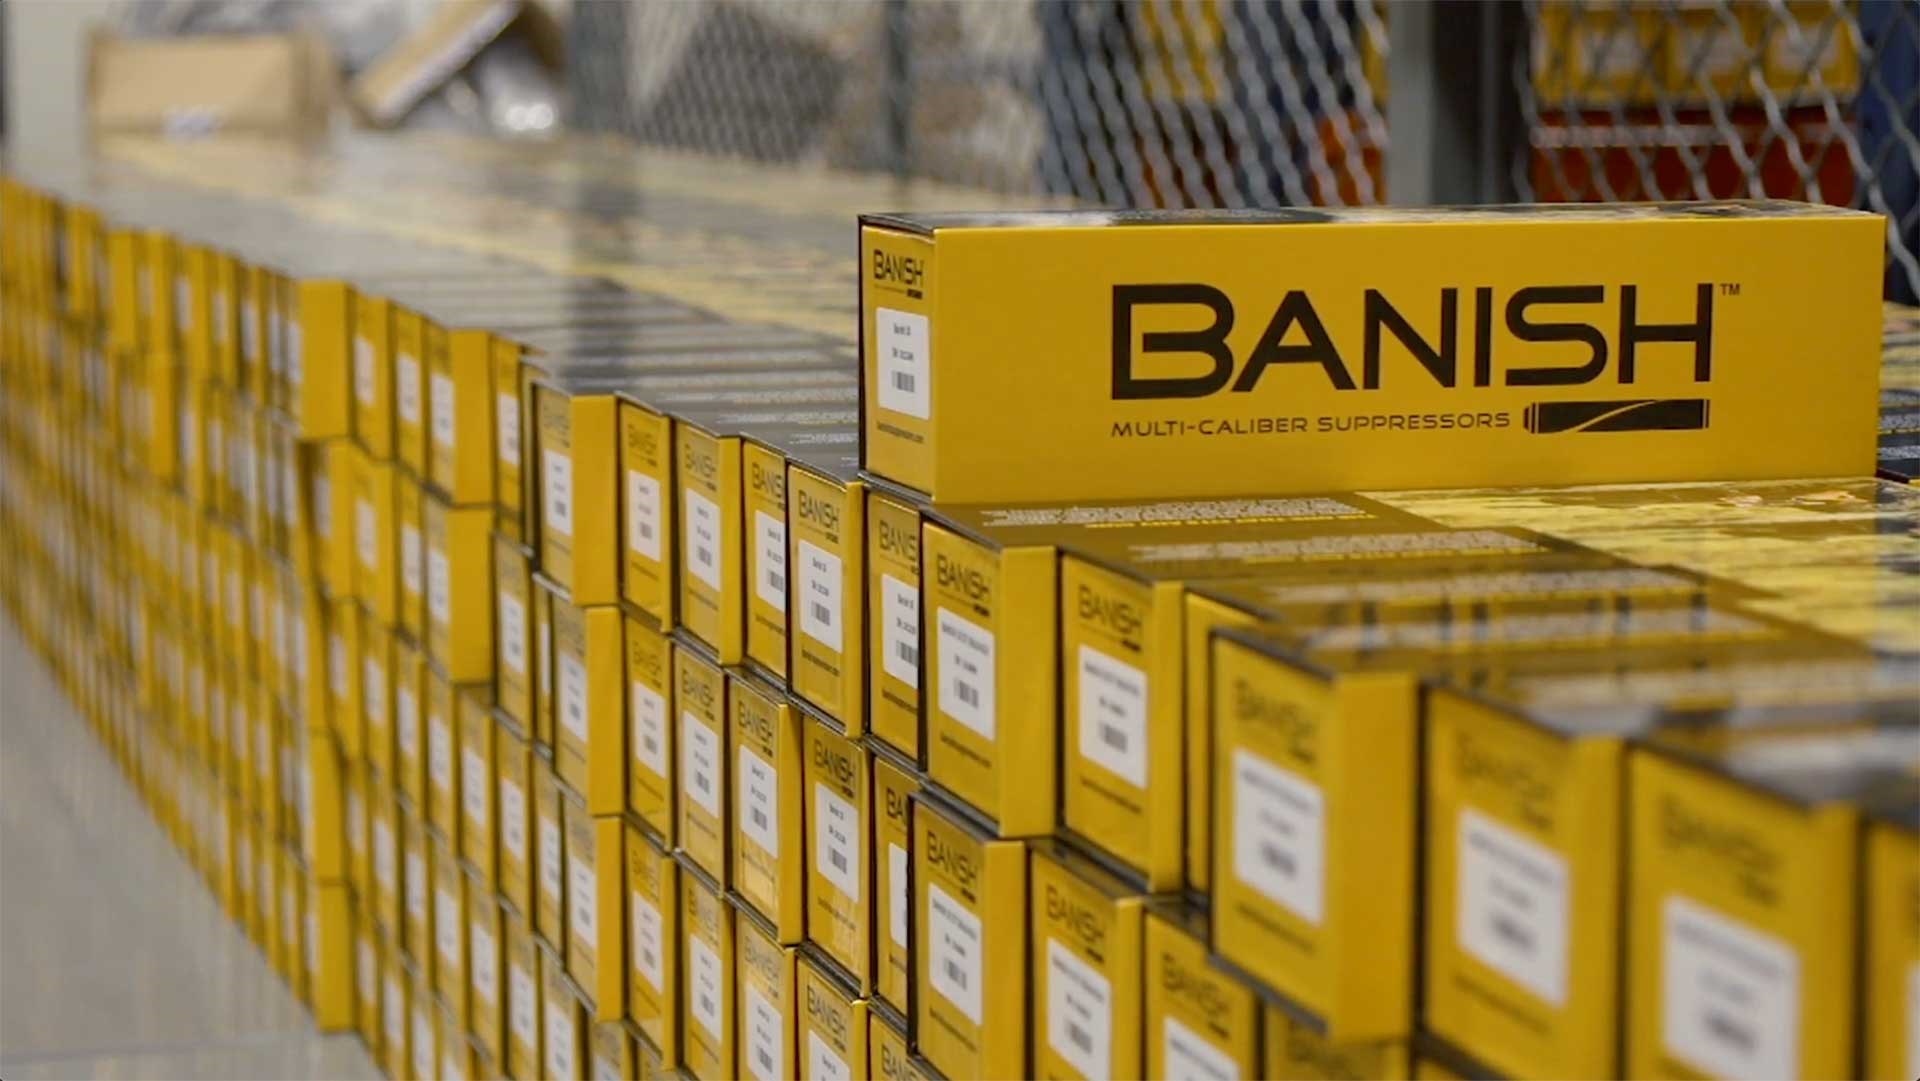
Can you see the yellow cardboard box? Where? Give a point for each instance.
(894, 784)
(549, 856)
(514, 809)
(1200, 1022)
(459, 618)
(768, 832)
(647, 512)
(970, 933)
(653, 941)
(1087, 967)
(478, 835)
(589, 748)
(596, 944)
(768, 999)
(764, 490)
(512, 597)
(827, 508)
(833, 1024)
(839, 842)
(701, 808)
(650, 744)
(708, 944)
(523, 997)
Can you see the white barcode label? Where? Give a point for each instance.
(700, 762)
(439, 588)
(1729, 995)
(384, 863)
(366, 980)
(822, 1063)
(446, 926)
(406, 379)
(702, 551)
(649, 958)
(643, 515)
(897, 899)
(903, 347)
(704, 1001)
(482, 975)
(836, 842)
(410, 559)
(583, 886)
(406, 715)
(1113, 715)
(1279, 834)
(560, 1038)
(550, 859)
(573, 696)
(395, 1011)
(649, 727)
(337, 665)
(900, 630)
(606, 1069)
(513, 819)
(759, 802)
(506, 414)
(416, 887)
(366, 536)
(521, 997)
(475, 785)
(559, 492)
(513, 633)
(766, 1034)
(1512, 910)
(820, 592)
(1079, 1012)
(965, 651)
(373, 691)
(955, 941)
(770, 544)
(440, 410)
(363, 381)
(439, 752)
(1188, 1056)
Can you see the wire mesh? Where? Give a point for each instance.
(1250, 103)
(1703, 100)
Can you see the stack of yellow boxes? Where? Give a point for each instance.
(564, 679)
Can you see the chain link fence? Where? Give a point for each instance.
(1248, 103)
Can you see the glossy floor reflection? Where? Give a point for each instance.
(114, 960)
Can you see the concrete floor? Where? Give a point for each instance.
(114, 960)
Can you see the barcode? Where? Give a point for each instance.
(560, 509)
(904, 381)
(703, 556)
(703, 782)
(708, 1005)
(822, 613)
(957, 974)
(648, 958)
(1277, 859)
(908, 652)
(1081, 1037)
(651, 743)
(646, 530)
(1506, 928)
(967, 693)
(765, 1058)
(1730, 1030)
(1113, 737)
(759, 818)
(838, 859)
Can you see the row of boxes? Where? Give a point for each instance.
(723, 624)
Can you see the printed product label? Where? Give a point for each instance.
(410, 559)
(583, 895)
(383, 854)
(520, 1005)
(904, 347)
(1189, 1057)
(955, 941)
(407, 715)
(759, 809)
(1279, 835)
(701, 760)
(513, 819)
(897, 903)
(439, 752)
(363, 371)
(559, 486)
(820, 587)
(1113, 715)
(1729, 995)
(365, 535)
(835, 842)
(649, 726)
(439, 588)
(1513, 906)
(770, 537)
(560, 1039)
(900, 630)
(643, 514)
(441, 410)
(822, 1062)
(416, 887)
(966, 672)
(373, 691)
(765, 1030)
(702, 552)
(649, 958)
(422, 1041)
(474, 787)
(506, 411)
(513, 632)
(703, 989)
(407, 380)
(446, 927)
(1079, 1012)
(395, 1017)
(550, 858)
(480, 966)
(573, 696)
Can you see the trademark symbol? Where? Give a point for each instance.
(1729, 289)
